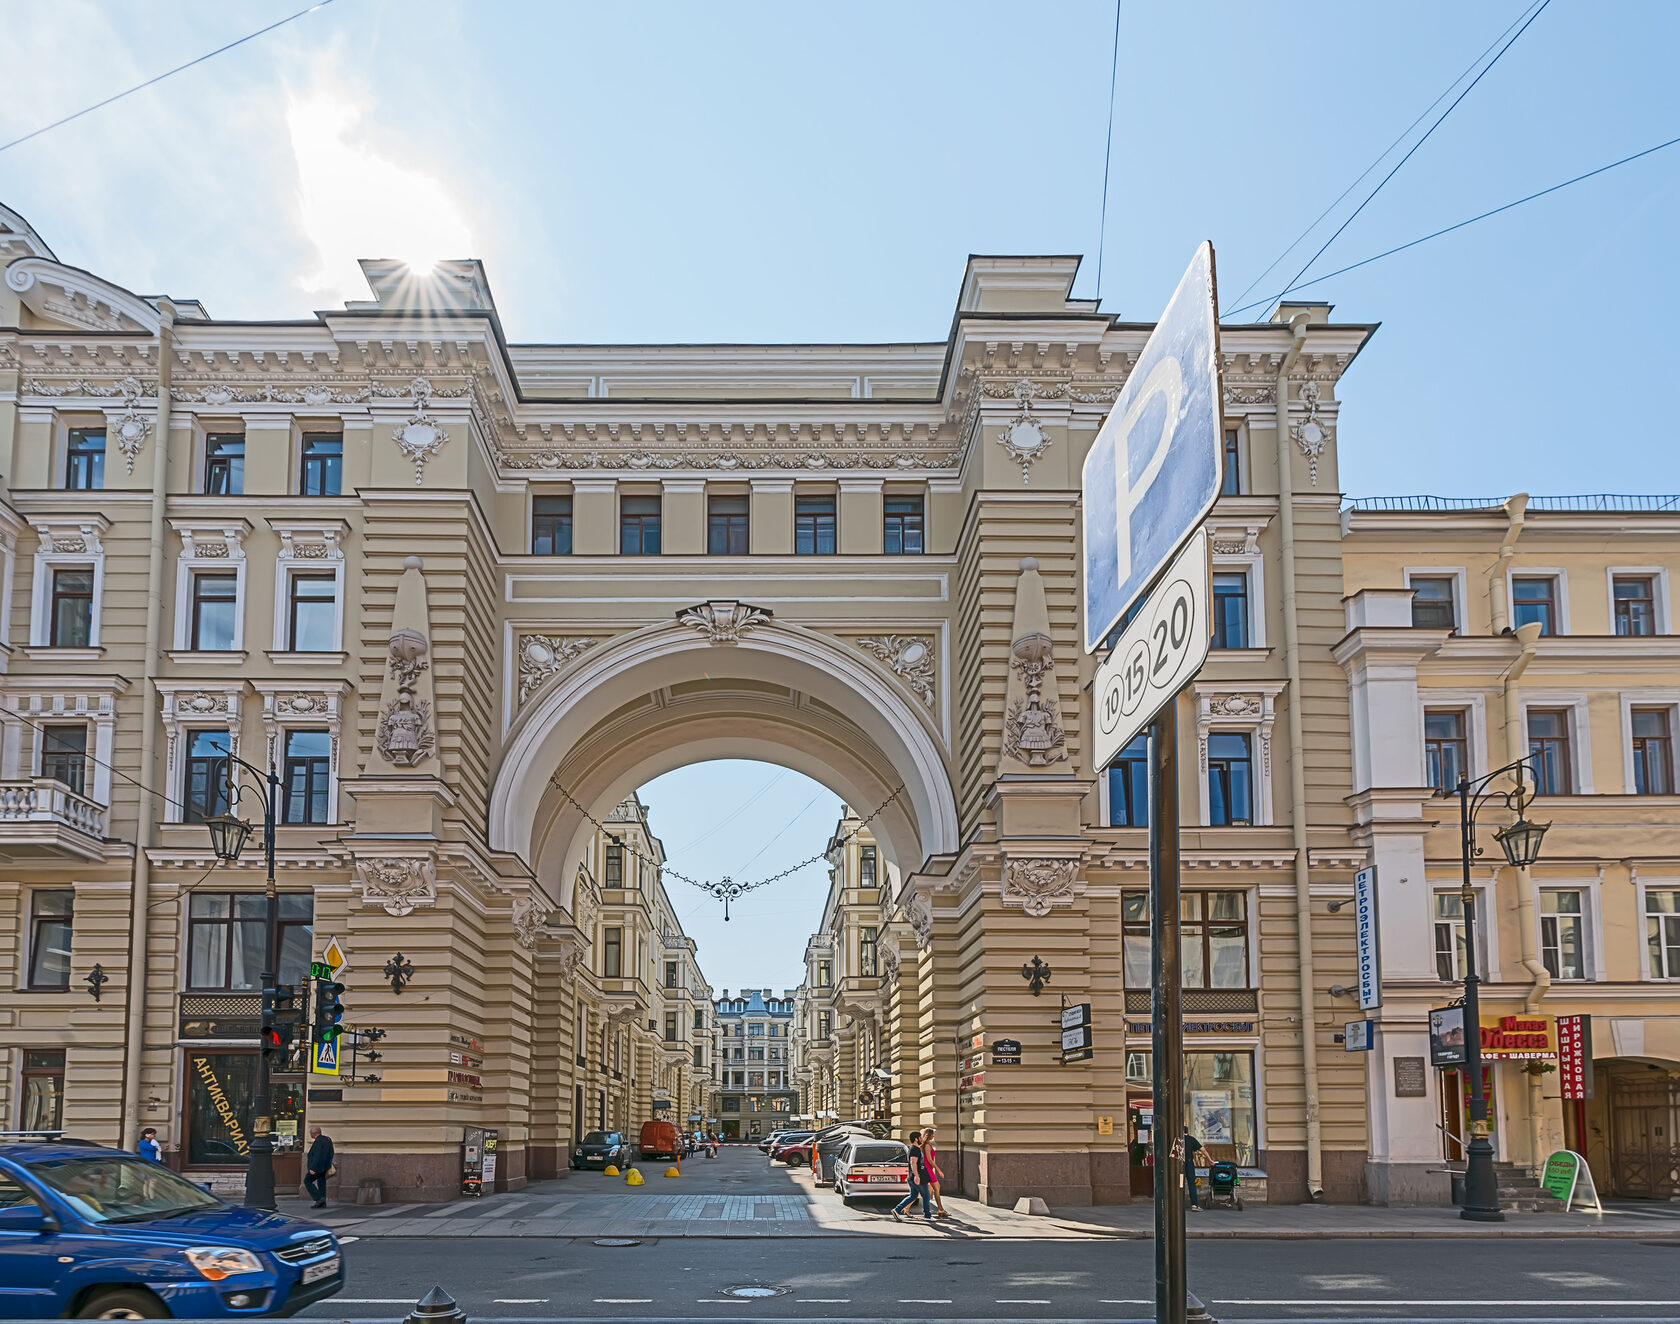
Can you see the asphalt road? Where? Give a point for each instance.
(854, 1280)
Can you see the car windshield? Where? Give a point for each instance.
(597, 1138)
(113, 1189)
(878, 1154)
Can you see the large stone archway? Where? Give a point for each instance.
(674, 694)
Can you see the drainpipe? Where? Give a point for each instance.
(1528, 896)
(1297, 762)
(1514, 509)
(139, 897)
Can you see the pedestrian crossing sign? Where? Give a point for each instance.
(325, 1059)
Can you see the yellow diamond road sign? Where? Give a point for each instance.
(334, 956)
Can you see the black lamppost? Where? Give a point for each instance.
(228, 835)
(1521, 844)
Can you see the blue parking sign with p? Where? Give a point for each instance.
(1153, 472)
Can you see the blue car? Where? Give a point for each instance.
(94, 1233)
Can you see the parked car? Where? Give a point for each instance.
(602, 1149)
(829, 1141)
(769, 1141)
(795, 1153)
(866, 1166)
(88, 1232)
(785, 1139)
(660, 1140)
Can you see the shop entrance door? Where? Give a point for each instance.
(1644, 1151)
(1140, 1144)
(1455, 1112)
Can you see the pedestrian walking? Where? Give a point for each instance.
(918, 1180)
(1192, 1147)
(935, 1178)
(318, 1167)
(149, 1147)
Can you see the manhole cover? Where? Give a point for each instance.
(754, 1290)
(617, 1241)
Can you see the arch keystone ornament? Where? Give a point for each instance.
(397, 884)
(724, 621)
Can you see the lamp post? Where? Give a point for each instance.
(228, 835)
(1521, 844)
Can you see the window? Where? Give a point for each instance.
(305, 779)
(1662, 933)
(756, 1029)
(225, 939)
(615, 865)
(224, 463)
(1230, 779)
(866, 951)
(866, 866)
(638, 526)
(215, 613)
(1563, 934)
(1635, 604)
(43, 1089)
(612, 953)
(813, 526)
(728, 525)
(551, 526)
(902, 523)
(205, 789)
(1450, 949)
(825, 1020)
(670, 1027)
(1446, 751)
(312, 613)
(1653, 752)
(1231, 483)
(50, 921)
(71, 612)
(670, 974)
(1230, 610)
(1128, 785)
(1535, 599)
(64, 755)
(1432, 603)
(825, 974)
(731, 1102)
(1548, 750)
(323, 463)
(1213, 950)
(699, 1019)
(84, 460)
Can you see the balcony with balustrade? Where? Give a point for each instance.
(42, 819)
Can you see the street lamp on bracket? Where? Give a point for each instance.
(1521, 843)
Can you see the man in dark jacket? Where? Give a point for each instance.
(317, 1165)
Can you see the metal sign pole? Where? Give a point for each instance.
(1167, 1018)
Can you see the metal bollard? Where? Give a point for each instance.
(1195, 1312)
(436, 1307)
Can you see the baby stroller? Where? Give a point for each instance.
(1223, 1182)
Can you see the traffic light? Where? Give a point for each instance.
(329, 1011)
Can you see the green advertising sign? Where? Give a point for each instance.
(1562, 1168)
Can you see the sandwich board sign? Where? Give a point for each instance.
(1567, 1176)
(1153, 473)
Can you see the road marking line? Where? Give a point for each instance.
(827, 1300)
(1022, 1301)
(924, 1300)
(374, 1300)
(622, 1300)
(1366, 1301)
(345, 1241)
(1126, 1301)
(519, 1300)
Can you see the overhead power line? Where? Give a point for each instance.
(1108, 148)
(170, 73)
(1383, 155)
(1412, 151)
(1436, 234)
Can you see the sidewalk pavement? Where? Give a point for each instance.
(585, 1205)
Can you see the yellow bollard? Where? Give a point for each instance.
(673, 1171)
(609, 1171)
(632, 1178)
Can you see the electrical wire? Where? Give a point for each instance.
(1411, 151)
(1436, 234)
(140, 87)
(727, 819)
(773, 840)
(1108, 148)
(1382, 156)
(92, 758)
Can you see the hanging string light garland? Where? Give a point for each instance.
(725, 889)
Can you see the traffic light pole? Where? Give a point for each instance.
(259, 1174)
(1167, 1018)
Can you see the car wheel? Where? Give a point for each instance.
(125, 1303)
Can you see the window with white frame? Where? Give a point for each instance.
(1451, 945)
(210, 587)
(1651, 743)
(1234, 754)
(202, 726)
(1434, 601)
(1538, 597)
(1564, 943)
(309, 587)
(1662, 931)
(1239, 577)
(69, 580)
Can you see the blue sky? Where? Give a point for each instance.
(672, 172)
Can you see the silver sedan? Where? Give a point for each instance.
(866, 1166)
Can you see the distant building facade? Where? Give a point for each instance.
(754, 1092)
